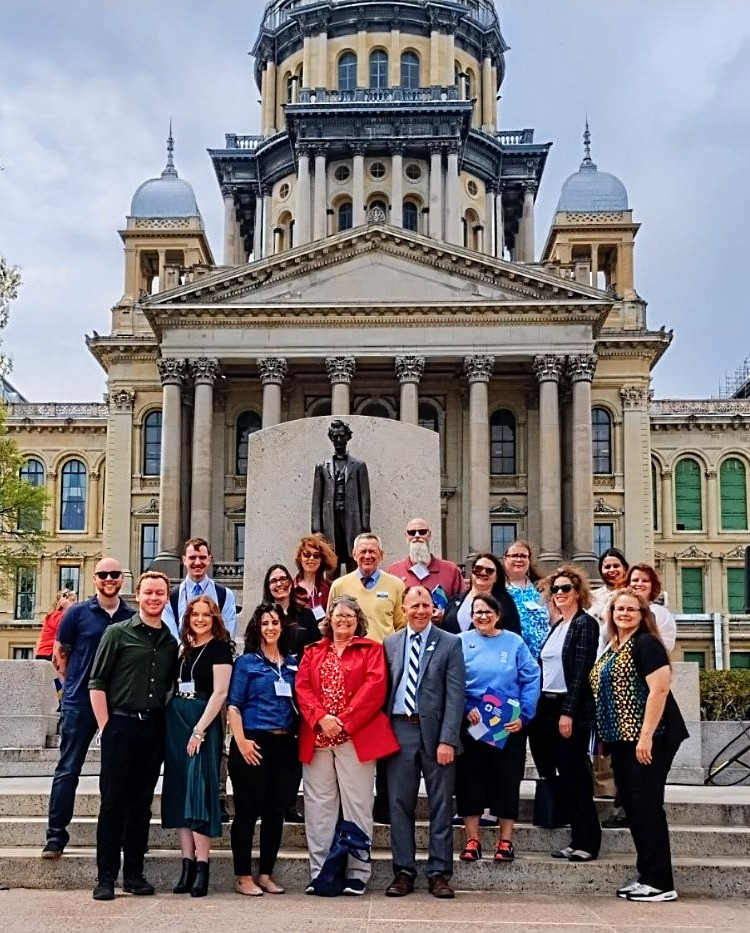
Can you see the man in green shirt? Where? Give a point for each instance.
(133, 671)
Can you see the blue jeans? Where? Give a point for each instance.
(77, 729)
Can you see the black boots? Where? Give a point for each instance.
(200, 886)
(185, 884)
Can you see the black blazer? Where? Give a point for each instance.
(578, 657)
(511, 621)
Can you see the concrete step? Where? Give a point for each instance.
(40, 762)
(532, 873)
(688, 842)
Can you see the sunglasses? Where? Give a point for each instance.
(278, 581)
(112, 574)
(309, 555)
(483, 571)
(417, 531)
(562, 588)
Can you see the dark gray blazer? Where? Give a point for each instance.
(356, 500)
(441, 688)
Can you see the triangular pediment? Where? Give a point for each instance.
(382, 265)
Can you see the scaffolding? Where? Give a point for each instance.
(737, 385)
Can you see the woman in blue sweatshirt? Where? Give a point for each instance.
(502, 690)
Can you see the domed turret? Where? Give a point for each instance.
(590, 191)
(166, 196)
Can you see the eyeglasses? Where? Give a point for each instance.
(482, 612)
(337, 617)
(481, 571)
(309, 555)
(518, 557)
(278, 581)
(423, 532)
(627, 609)
(562, 588)
(112, 574)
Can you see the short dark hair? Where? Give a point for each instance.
(612, 552)
(197, 543)
(253, 638)
(340, 425)
(494, 604)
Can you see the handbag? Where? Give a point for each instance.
(604, 779)
(550, 806)
(348, 840)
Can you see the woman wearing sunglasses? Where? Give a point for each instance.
(487, 578)
(315, 560)
(559, 734)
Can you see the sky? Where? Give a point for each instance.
(87, 89)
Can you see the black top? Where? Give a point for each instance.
(198, 665)
(303, 629)
(509, 618)
(649, 655)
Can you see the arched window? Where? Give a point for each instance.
(654, 496)
(428, 416)
(379, 69)
(375, 410)
(688, 504)
(32, 472)
(410, 70)
(411, 216)
(73, 497)
(248, 423)
(502, 443)
(733, 487)
(152, 444)
(601, 440)
(345, 216)
(348, 71)
(470, 223)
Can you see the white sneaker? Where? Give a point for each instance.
(627, 888)
(644, 892)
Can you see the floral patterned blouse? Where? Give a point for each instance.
(333, 692)
(533, 614)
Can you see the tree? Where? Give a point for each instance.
(10, 282)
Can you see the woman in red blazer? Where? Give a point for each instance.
(341, 688)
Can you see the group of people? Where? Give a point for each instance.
(363, 686)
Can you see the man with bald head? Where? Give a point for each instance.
(78, 639)
(441, 577)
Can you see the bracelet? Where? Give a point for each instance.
(198, 736)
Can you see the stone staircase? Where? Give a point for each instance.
(710, 830)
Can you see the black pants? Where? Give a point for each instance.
(570, 759)
(132, 752)
(262, 792)
(641, 789)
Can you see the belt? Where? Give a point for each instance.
(137, 714)
(411, 718)
(552, 696)
(191, 696)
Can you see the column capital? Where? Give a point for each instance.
(204, 371)
(634, 397)
(121, 400)
(227, 191)
(409, 368)
(273, 370)
(397, 147)
(581, 367)
(435, 148)
(340, 369)
(530, 186)
(548, 367)
(171, 371)
(359, 149)
(304, 151)
(453, 148)
(478, 367)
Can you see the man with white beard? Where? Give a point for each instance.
(422, 568)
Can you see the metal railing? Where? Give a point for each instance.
(277, 14)
(57, 410)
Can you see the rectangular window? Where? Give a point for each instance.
(23, 654)
(149, 545)
(503, 535)
(70, 579)
(25, 592)
(604, 537)
(736, 589)
(692, 590)
(739, 660)
(695, 657)
(239, 542)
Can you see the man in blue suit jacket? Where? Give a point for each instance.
(425, 704)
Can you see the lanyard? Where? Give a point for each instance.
(193, 665)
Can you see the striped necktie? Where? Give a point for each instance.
(412, 676)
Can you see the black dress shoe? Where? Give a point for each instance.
(200, 885)
(187, 877)
(137, 884)
(401, 885)
(104, 890)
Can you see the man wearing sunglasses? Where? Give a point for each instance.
(422, 568)
(78, 639)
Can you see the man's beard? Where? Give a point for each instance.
(419, 553)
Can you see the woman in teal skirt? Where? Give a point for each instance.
(190, 792)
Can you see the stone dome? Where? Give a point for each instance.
(589, 191)
(166, 196)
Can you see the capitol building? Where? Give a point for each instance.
(378, 258)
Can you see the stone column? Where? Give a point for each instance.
(271, 91)
(636, 446)
(119, 482)
(450, 58)
(499, 225)
(527, 222)
(307, 58)
(478, 369)
(258, 236)
(340, 371)
(434, 55)
(264, 97)
(489, 224)
(363, 60)
(267, 214)
(436, 192)
(172, 374)
(452, 206)
(358, 186)
(321, 196)
(548, 369)
(323, 56)
(397, 187)
(488, 96)
(203, 372)
(409, 370)
(394, 61)
(230, 225)
(273, 370)
(712, 503)
(303, 198)
(581, 370)
(667, 506)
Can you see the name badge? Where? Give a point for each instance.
(532, 604)
(420, 571)
(186, 686)
(477, 731)
(282, 688)
(383, 595)
(319, 613)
